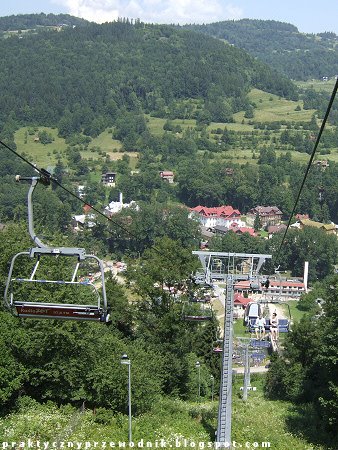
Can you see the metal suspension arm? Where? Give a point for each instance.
(34, 181)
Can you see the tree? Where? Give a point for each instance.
(257, 223)
(45, 137)
(162, 271)
(306, 372)
(12, 373)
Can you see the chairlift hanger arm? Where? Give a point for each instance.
(41, 247)
(44, 179)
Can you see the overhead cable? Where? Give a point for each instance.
(309, 164)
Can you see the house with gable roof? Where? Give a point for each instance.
(167, 175)
(224, 216)
(329, 228)
(240, 303)
(268, 215)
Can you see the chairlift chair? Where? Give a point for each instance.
(49, 310)
(196, 313)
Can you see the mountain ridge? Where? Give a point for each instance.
(298, 56)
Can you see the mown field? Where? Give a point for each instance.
(317, 85)
(256, 423)
(271, 108)
(46, 155)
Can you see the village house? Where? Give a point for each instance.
(329, 228)
(218, 229)
(322, 164)
(82, 221)
(167, 175)
(274, 229)
(224, 216)
(108, 179)
(301, 216)
(268, 215)
(240, 304)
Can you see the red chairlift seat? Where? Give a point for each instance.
(51, 310)
(217, 350)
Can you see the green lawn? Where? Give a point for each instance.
(230, 126)
(155, 124)
(47, 155)
(296, 314)
(106, 142)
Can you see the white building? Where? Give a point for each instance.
(225, 216)
(116, 207)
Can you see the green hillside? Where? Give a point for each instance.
(297, 55)
(82, 77)
(37, 22)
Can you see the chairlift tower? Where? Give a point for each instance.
(227, 268)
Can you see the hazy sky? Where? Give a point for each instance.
(309, 16)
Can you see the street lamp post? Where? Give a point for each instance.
(198, 367)
(125, 360)
(212, 387)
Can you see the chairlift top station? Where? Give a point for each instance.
(48, 310)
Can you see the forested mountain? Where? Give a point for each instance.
(82, 76)
(297, 55)
(32, 21)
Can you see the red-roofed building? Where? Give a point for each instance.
(302, 216)
(86, 209)
(273, 229)
(241, 230)
(224, 216)
(284, 288)
(167, 175)
(218, 229)
(240, 303)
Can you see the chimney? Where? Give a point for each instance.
(306, 274)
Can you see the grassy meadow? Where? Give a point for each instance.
(46, 155)
(42, 155)
(268, 108)
(317, 85)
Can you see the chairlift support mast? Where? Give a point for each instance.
(250, 266)
(54, 310)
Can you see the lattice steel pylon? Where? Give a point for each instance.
(228, 267)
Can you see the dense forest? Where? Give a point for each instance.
(80, 77)
(297, 55)
(37, 21)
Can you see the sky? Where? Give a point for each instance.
(309, 16)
